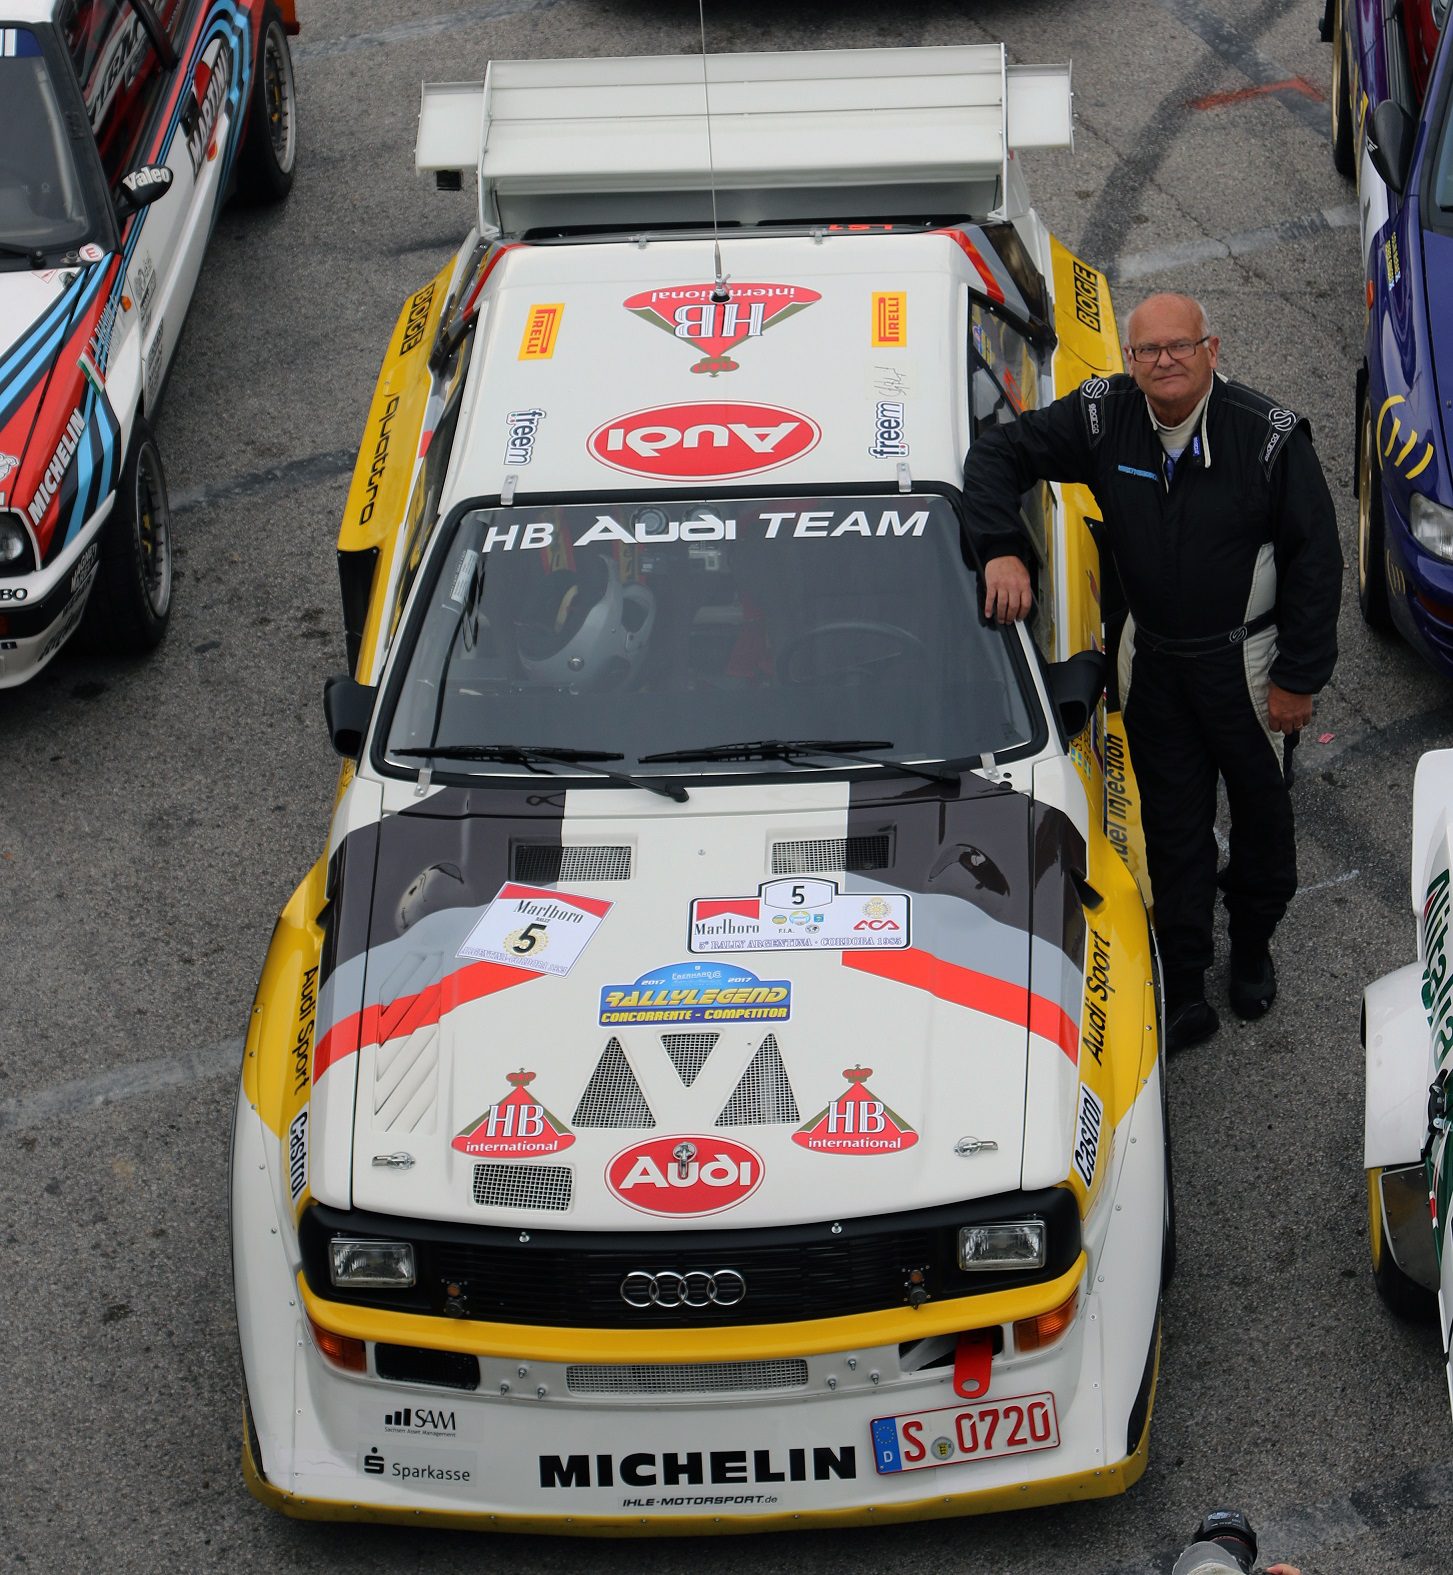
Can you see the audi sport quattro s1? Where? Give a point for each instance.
(1407, 1039)
(124, 125)
(711, 1079)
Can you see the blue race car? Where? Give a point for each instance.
(1404, 422)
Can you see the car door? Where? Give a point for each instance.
(129, 95)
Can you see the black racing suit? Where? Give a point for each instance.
(1233, 575)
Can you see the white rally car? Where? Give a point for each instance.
(1407, 1034)
(712, 1078)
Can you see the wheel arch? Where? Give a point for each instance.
(1395, 1042)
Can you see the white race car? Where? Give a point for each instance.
(1407, 1034)
(712, 1078)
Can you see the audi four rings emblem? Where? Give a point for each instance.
(724, 1288)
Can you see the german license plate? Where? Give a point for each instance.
(981, 1431)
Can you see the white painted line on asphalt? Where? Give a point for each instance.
(1322, 885)
(423, 27)
(123, 1082)
(1140, 265)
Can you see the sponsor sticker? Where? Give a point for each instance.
(402, 1464)
(685, 1175)
(1087, 1134)
(890, 319)
(521, 427)
(800, 915)
(688, 312)
(538, 930)
(8, 463)
(542, 328)
(889, 441)
(298, 1155)
(704, 441)
(696, 993)
(60, 463)
(1087, 294)
(421, 1421)
(210, 82)
(856, 1122)
(517, 1127)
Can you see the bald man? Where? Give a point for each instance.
(1220, 524)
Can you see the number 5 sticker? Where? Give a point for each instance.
(535, 929)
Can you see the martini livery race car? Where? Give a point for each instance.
(124, 124)
(1407, 1034)
(712, 1080)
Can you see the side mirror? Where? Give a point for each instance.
(348, 706)
(1075, 687)
(142, 186)
(1390, 137)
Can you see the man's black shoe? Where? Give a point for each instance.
(1253, 982)
(1190, 1023)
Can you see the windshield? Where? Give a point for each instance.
(648, 628)
(42, 206)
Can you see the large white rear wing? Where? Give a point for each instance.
(813, 135)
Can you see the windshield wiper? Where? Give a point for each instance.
(34, 255)
(790, 749)
(531, 756)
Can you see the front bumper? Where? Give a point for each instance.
(1420, 591)
(39, 612)
(575, 1430)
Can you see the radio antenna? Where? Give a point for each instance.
(720, 294)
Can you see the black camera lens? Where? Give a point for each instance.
(1231, 1530)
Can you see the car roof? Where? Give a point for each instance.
(574, 337)
(19, 12)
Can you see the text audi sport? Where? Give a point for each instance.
(124, 125)
(712, 1080)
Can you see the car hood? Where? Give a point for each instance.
(689, 1046)
(55, 332)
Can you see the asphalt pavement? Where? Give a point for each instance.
(154, 817)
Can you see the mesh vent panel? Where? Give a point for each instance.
(825, 854)
(613, 1097)
(524, 1186)
(764, 1096)
(544, 862)
(687, 1379)
(688, 1053)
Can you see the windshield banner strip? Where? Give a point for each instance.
(978, 991)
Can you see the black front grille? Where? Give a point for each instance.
(573, 1278)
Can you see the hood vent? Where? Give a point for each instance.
(764, 1096)
(688, 1053)
(544, 863)
(406, 1082)
(524, 1186)
(613, 1097)
(824, 855)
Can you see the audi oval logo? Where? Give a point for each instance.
(724, 1288)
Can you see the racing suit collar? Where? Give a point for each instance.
(1174, 439)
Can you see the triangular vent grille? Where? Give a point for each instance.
(613, 1097)
(764, 1096)
(688, 1053)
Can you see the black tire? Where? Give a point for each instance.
(1343, 151)
(1371, 528)
(270, 147)
(131, 601)
(1403, 1297)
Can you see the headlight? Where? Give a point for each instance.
(378, 1263)
(1432, 526)
(14, 543)
(1015, 1244)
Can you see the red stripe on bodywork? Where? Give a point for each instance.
(964, 987)
(376, 1024)
(966, 246)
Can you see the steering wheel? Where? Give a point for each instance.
(907, 642)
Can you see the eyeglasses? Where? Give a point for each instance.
(1177, 350)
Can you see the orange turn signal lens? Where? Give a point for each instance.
(340, 1349)
(1034, 1334)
